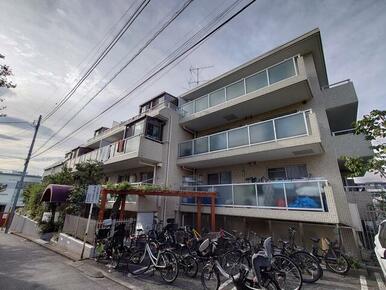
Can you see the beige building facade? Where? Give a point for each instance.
(267, 136)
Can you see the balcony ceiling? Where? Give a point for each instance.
(290, 148)
(286, 93)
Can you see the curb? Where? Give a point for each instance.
(73, 259)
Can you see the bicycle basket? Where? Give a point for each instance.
(205, 247)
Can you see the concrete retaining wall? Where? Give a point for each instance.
(25, 226)
(75, 246)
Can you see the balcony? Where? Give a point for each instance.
(277, 86)
(297, 200)
(346, 143)
(284, 137)
(341, 105)
(124, 154)
(287, 195)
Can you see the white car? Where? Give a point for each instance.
(380, 246)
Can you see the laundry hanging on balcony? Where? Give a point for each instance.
(121, 146)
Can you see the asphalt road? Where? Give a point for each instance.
(25, 265)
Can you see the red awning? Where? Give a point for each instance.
(56, 193)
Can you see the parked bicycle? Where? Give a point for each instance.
(154, 255)
(307, 263)
(268, 271)
(331, 255)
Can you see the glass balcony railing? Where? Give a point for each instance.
(107, 152)
(287, 194)
(289, 126)
(267, 77)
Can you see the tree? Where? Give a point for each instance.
(5, 73)
(86, 173)
(373, 127)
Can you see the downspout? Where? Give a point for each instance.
(167, 168)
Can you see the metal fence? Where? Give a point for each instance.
(76, 226)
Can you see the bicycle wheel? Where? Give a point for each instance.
(190, 265)
(339, 265)
(287, 274)
(210, 278)
(308, 265)
(168, 266)
(138, 263)
(232, 261)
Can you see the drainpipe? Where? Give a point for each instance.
(167, 167)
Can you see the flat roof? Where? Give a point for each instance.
(309, 42)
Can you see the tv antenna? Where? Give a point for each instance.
(195, 75)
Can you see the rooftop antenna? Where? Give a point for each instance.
(195, 74)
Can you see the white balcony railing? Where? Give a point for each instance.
(289, 126)
(265, 78)
(287, 195)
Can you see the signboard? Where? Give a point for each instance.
(93, 192)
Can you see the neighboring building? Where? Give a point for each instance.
(9, 180)
(267, 136)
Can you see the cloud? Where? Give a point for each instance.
(3, 136)
(50, 44)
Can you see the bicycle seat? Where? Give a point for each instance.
(315, 240)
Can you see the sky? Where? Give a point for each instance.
(49, 43)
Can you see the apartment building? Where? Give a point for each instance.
(9, 182)
(267, 136)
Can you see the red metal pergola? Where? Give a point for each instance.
(179, 193)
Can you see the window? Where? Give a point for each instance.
(224, 177)
(154, 129)
(138, 127)
(257, 81)
(288, 172)
(235, 90)
(146, 177)
(134, 129)
(277, 173)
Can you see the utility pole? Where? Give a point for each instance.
(21, 183)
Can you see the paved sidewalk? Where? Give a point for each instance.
(26, 265)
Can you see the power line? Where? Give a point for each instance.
(151, 76)
(92, 53)
(127, 25)
(188, 42)
(164, 26)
